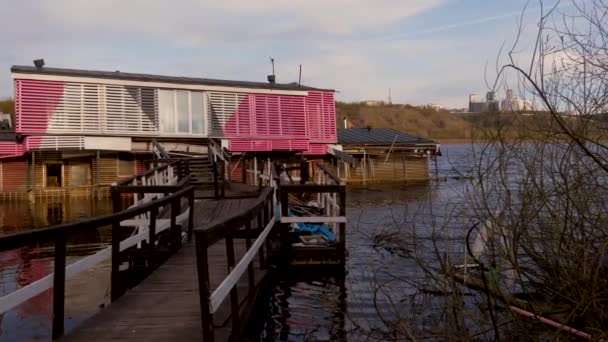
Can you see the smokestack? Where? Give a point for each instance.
(345, 122)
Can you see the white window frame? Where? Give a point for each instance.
(176, 115)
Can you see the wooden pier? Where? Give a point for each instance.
(216, 245)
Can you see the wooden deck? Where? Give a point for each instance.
(165, 306)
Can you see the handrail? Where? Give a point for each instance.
(262, 209)
(220, 228)
(217, 151)
(333, 177)
(58, 233)
(147, 173)
(24, 238)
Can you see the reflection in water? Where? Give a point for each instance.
(389, 226)
(20, 267)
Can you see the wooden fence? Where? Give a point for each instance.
(238, 226)
(58, 235)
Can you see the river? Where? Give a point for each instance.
(376, 289)
(390, 226)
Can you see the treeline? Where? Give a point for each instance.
(424, 122)
(7, 106)
(432, 124)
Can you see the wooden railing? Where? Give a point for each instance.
(239, 225)
(331, 197)
(58, 235)
(184, 166)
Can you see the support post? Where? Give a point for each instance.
(152, 232)
(250, 271)
(261, 225)
(59, 286)
(215, 184)
(190, 214)
(33, 171)
(342, 232)
(115, 281)
(176, 231)
(234, 295)
(255, 170)
(202, 267)
(283, 232)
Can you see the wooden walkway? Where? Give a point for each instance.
(165, 306)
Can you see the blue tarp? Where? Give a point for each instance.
(313, 228)
(316, 229)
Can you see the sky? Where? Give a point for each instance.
(425, 51)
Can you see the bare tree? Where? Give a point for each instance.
(536, 247)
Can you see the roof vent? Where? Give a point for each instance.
(39, 63)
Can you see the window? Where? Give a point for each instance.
(198, 121)
(181, 111)
(126, 164)
(166, 110)
(54, 175)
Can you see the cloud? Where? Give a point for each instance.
(195, 22)
(338, 42)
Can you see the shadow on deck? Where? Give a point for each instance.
(166, 306)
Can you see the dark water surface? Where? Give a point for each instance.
(378, 289)
(85, 292)
(375, 289)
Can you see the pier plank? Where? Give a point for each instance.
(165, 306)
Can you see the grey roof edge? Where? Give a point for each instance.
(379, 136)
(26, 69)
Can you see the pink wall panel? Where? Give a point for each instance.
(239, 124)
(13, 175)
(35, 103)
(316, 149)
(282, 122)
(321, 111)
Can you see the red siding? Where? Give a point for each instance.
(36, 102)
(140, 166)
(317, 149)
(321, 112)
(13, 175)
(10, 149)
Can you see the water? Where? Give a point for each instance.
(390, 228)
(377, 287)
(85, 293)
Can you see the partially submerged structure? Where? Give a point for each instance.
(384, 154)
(77, 131)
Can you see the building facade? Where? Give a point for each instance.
(77, 129)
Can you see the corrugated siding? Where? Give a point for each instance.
(316, 149)
(245, 145)
(54, 142)
(321, 112)
(10, 148)
(222, 108)
(267, 122)
(13, 175)
(397, 168)
(59, 107)
(36, 102)
(108, 169)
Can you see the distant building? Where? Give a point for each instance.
(434, 106)
(514, 104)
(492, 104)
(374, 103)
(476, 104)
